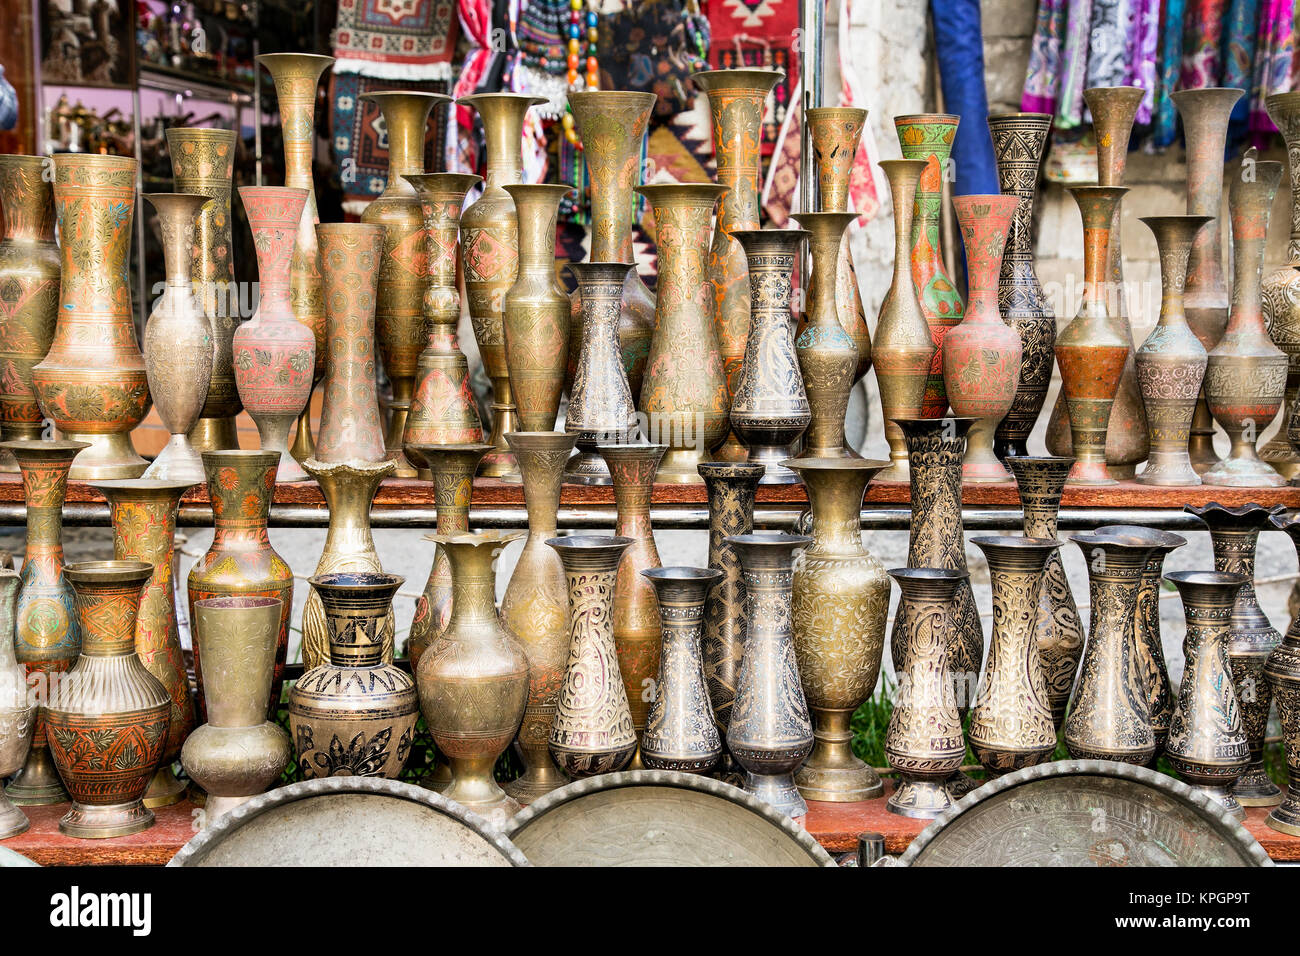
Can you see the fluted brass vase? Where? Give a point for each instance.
(904, 349)
(490, 257)
(203, 161)
(1281, 291)
(92, 380)
(17, 708)
(179, 346)
(840, 601)
(1282, 671)
(535, 607)
(592, 732)
(684, 394)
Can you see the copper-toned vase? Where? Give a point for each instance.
(1011, 722)
(1207, 740)
(535, 607)
(17, 708)
(92, 380)
(770, 410)
(1281, 291)
(536, 310)
(981, 356)
(601, 405)
(241, 561)
(107, 718)
(840, 601)
(1282, 671)
(1018, 140)
(904, 349)
(736, 102)
(1234, 533)
(203, 161)
(29, 294)
(1245, 379)
(924, 741)
(490, 257)
(1171, 362)
(47, 637)
(178, 342)
(350, 254)
(929, 136)
(684, 394)
(143, 512)
(592, 732)
(275, 350)
(680, 733)
(1090, 351)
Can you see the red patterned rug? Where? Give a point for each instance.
(759, 34)
(396, 39)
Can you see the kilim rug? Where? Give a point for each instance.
(758, 34)
(396, 39)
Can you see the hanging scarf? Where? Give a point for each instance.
(1143, 41)
(462, 145)
(1240, 35)
(1165, 120)
(1074, 64)
(1202, 41)
(1274, 54)
(1043, 75)
(1108, 43)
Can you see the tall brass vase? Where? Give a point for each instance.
(1281, 291)
(736, 102)
(47, 638)
(490, 257)
(399, 319)
(92, 380)
(535, 607)
(684, 394)
(17, 708)
(904, 349)
(1282, 671)
(840, 602)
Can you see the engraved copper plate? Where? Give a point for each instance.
(1085, 813)
(659, 818)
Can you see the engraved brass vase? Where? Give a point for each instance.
(17, 708)
(1281, 291)
(1282, 671)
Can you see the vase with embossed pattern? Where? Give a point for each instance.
(1282, 671)
(1281, 291)
(17, 708)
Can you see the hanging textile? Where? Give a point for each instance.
(1143, 46)
(1274, 56)
(1108, 44)
(1240, 36)
(759, 34)
(483, 61)
(395, 39)
(1074, 64)
(1043, 74)
(1202, 43)
(1165, 120)
(959, 43)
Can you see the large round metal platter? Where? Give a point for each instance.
(659, 818)
(10, 857)
(349, 821)
(1085, 813)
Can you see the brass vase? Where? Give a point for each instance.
(107, 718)
(770, 409)
(1205, 114)
(1282, 671)
(274, 350)
(981, 355)
(601, 407)
(143, 512)
(238, 753)
(1058, 631)
(536, 310)
(736, 102)
(1171, 362)
(840, 602)
(929, 137)
(1090, 351)
(453, 468)
(1018, 141)
(349, 487)
(17, 708)
(92, 380)
(535, 607)
(1110, 713)
(827, 355)
(1245, 378)
(490, 257)
(904, 349)
(770, 733)
(1234, 533)
(241, 561)
(1011, 722)
(1207, 738)
(179, 346)
(1281, 291)
(636, 612)
(684, 394)
(350, 256)
(592, 732)
(612, 125)
(47, 638)
(399, 317)
(354, 714)
(443, 410)
(680, 733)
(731, 488)
(924, 741)
(203, 161)
(29, 294)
